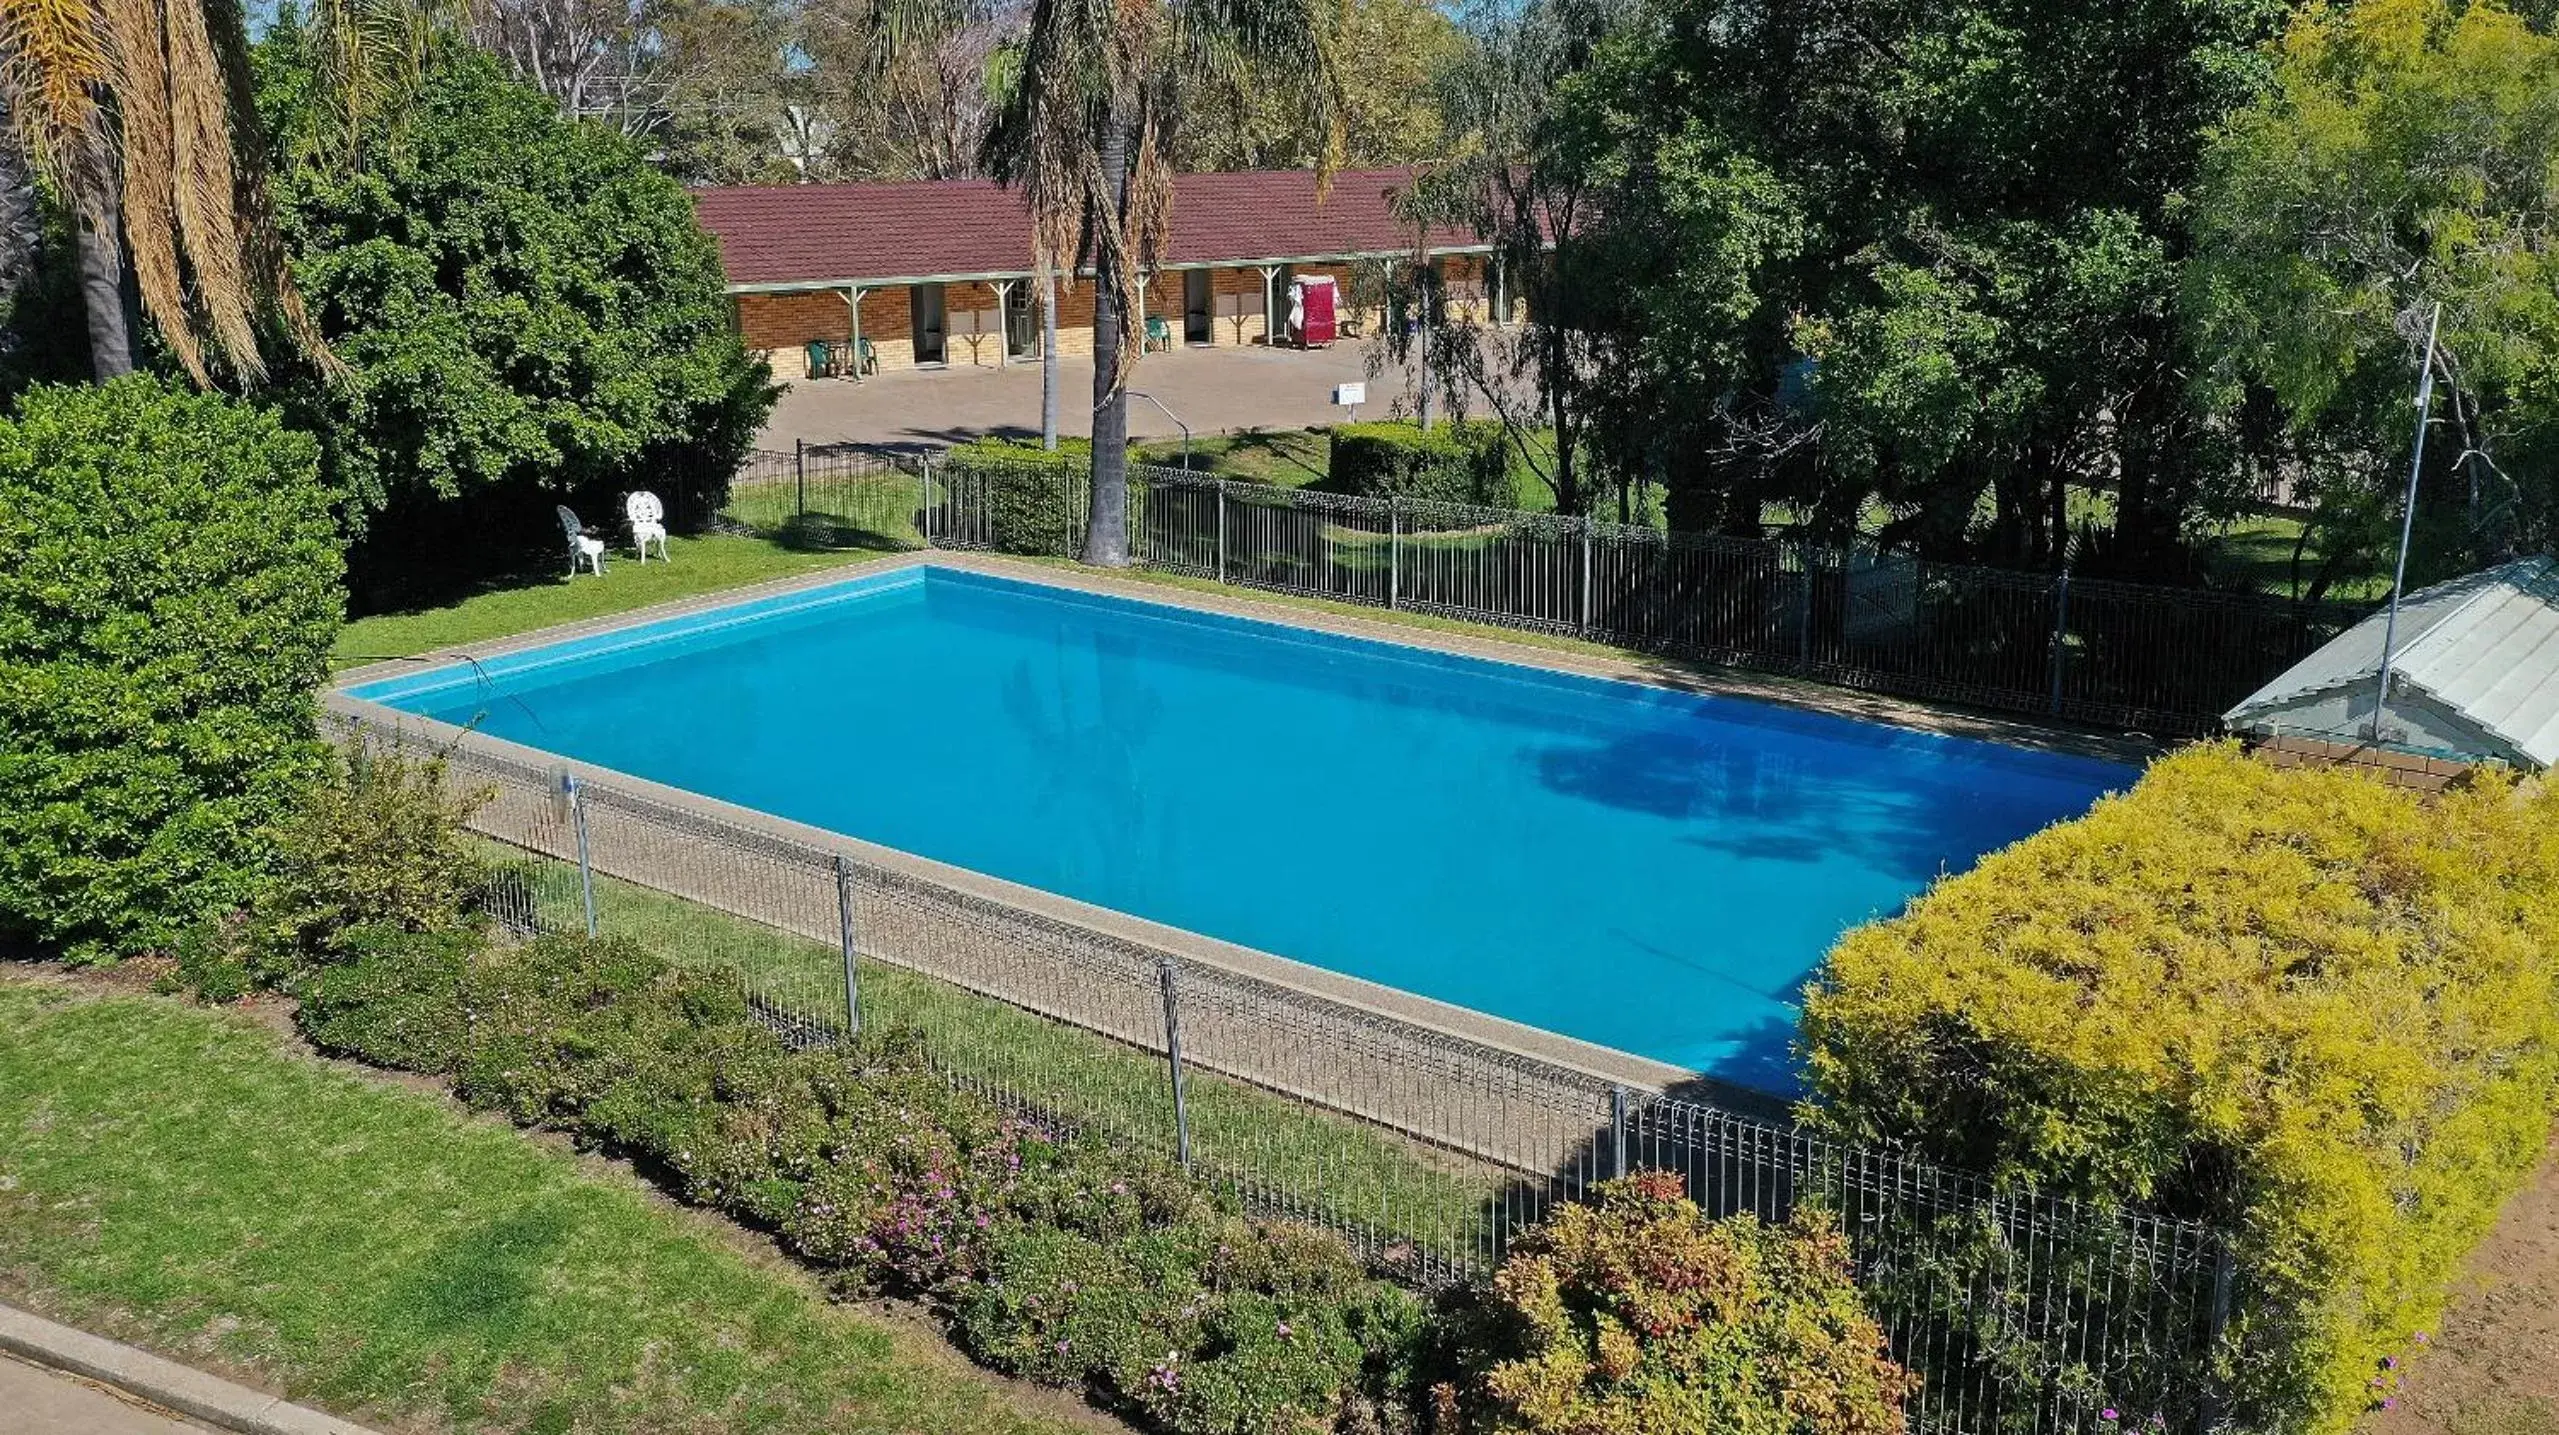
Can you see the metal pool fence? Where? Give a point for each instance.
(1426, 1150)
(2163, 660)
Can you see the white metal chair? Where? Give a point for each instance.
(584, 546)
(647, 518)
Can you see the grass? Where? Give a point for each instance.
(1300, 458)
(2257, 553)
(1285, 458)
(175, 1176)
(1071, 1075)
(522, 602)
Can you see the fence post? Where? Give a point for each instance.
(844, 930)
(1586, 576)
(1804, 616)
(1173, 1053)
(1221, 530)
(2061, 632)
(2224, 1271)
(800, 472)
(1394, 551)
(1617, 1129)
(586, 863)
(924, 498)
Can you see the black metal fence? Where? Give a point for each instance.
(1424, 1148)
(2153, 659)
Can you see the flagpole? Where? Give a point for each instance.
(2407, 522)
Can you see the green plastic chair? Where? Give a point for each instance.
(1159, 334)
(821, 359)
(870, 358)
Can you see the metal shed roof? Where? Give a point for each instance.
(2484, 647)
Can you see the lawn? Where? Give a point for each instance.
(522, 602)
(1300, 458)
(175, 1176)
(1066, 1075)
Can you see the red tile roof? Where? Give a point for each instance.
(815, 233)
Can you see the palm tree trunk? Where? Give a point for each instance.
(1106, 540)
(95, 236)
(1048, 358)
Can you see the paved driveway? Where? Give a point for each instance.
(1212, 390)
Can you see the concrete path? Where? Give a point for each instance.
(36, 1401)
(89, 1385)
(1213, 390)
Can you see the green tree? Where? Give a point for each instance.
(1084, 131)
(1389, 56)
(1921, 257)
(529, 313)
(2408, 156)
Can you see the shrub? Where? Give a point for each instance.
(1035, 498)
(2298, 1004)
(168, 594)
(377, 843)
(1461, 462)
(1636, 1315)
(395, 1000)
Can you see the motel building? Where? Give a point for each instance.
(938, 274)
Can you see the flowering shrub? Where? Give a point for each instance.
(1064, 1264)
(2316, 1011)
(1638, 1316)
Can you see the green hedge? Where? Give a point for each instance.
(2317, 1011)
(1462, 462)
(1036, 499)
(1065, 1263)
(168, 593)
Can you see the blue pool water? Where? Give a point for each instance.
(1653, 871)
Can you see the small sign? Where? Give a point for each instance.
(1350, 395)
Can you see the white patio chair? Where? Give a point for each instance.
(584, 546)
(647, 518)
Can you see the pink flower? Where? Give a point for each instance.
(2108, 1414)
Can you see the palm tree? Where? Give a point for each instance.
(138, 112)
(1083, 132)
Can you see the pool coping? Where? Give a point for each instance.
(1589, 1059)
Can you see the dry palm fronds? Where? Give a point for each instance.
(181, 150)
(141, 70)
(53, 63)
(206, 191)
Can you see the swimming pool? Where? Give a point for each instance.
(1650, 870)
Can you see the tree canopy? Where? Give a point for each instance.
(528, 310)
(2406, 156)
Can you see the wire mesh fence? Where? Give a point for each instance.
(1426, 1150)
(2166, 660)
(818, 497)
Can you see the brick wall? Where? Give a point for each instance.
(781, 326)
(972, 325)
(1235, 297)
(2400, 769)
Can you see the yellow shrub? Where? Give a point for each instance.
(2302, 1005)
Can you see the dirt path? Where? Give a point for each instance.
(2494, 1367)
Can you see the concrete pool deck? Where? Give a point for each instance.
(1326, 1049)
